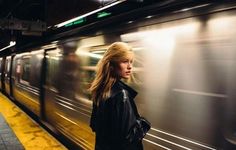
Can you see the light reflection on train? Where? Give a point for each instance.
(184, 72)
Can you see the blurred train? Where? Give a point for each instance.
(184, 72)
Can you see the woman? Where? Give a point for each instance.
(114, 116)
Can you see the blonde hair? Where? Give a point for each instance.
(106, 74)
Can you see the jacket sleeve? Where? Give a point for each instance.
(93, 118)
(123, 117)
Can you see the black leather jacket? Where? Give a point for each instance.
(113, 119)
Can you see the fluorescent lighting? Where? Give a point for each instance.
(12, 43)
(199, 6)
(149, 17)
(85, 15)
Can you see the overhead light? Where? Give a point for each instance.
(149, 17)
(85, 15)
(12, 43)
(190, 8)
(130, 22)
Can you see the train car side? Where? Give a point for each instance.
(183, 74)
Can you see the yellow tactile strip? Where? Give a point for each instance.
(29, 133)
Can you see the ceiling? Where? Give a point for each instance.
(22, 9)
(49, 11)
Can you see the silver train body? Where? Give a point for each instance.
(184, 69)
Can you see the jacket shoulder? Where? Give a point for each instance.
(121, 94)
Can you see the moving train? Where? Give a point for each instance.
(184, 72)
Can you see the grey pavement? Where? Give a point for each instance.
(8, 139)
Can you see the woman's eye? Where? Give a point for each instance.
(127, 61)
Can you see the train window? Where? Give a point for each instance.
(52, 60)
(25, 69)
(52, 70)
(68, 75)
(7, 68)
(35, 68)
(0, 66)
(1, 61)
(96, 54)
(18, 68)
(6, 65)
(17, 71)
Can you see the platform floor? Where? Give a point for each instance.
(28, 132)
(8, 140)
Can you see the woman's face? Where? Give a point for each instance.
(125, 67)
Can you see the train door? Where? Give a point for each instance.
(52, 60)
(6, 72)
(66, 107)
(2, 60)
(26, 78)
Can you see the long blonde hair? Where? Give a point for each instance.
(106, 74)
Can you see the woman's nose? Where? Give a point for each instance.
(130, 65)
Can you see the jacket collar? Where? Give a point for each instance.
(131, 91)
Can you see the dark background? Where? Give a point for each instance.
(49, 11)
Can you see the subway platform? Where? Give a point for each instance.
(19, 132)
